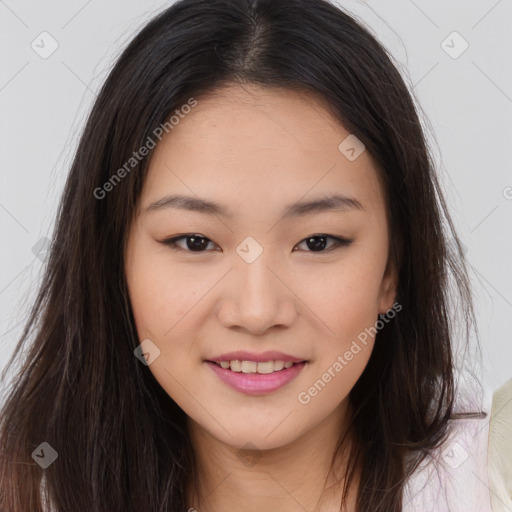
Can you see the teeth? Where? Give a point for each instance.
(255, 367)
(278, 365)
(249, 367)
(236, 366)
(267, 367)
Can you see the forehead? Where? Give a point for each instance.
(258, 146)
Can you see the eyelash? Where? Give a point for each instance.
(339, 242)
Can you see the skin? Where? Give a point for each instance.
(254, 151)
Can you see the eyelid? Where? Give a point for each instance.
(172, 242)
(339, 242)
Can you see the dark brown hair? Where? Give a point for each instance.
(122, 442)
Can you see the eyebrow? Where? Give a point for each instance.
(335, 202)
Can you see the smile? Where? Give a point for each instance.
(256, 378)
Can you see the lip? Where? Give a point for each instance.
(242, 355)
(256, 383)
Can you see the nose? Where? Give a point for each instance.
(256, 298)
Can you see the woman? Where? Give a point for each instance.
(247, 301)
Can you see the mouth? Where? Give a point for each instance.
(256, 377)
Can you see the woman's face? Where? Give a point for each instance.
(260, 275)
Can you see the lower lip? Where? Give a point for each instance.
(256, 383)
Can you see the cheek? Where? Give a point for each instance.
(159, 294)
(345, 297)
(165, 301)
(345, 300)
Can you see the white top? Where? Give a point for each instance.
(472, 472)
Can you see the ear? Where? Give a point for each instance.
(388, 289)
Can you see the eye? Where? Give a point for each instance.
(193, 242)
(318, 243)
(198, 243)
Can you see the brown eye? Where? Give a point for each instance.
(318, 243)
(193, 242)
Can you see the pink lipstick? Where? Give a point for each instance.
(256, 374)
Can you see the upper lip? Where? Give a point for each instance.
(242, 355)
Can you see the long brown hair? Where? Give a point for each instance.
(121, 441)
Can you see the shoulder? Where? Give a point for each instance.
(454, 478)
(500, 449)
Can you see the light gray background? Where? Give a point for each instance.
(467, 102)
